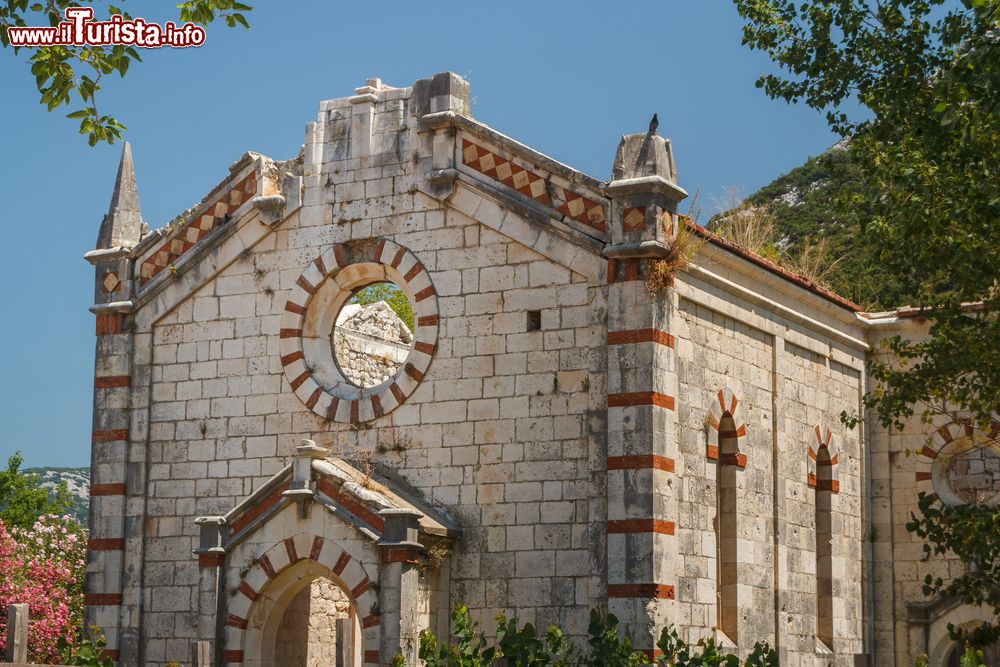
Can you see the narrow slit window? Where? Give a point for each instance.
(727, 577)
(824, 546)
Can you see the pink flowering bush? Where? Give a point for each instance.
(44, 567)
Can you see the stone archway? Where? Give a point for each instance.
(256, 613)
(292, 626)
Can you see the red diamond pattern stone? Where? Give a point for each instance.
(528, 183)
(570, 204)
(634, 218)
(214, 215)
(111, 283)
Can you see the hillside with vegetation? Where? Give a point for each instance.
(77, 481)
(799, 221)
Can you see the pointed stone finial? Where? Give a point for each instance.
(122, 226)
(646, 154)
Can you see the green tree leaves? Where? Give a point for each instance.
(22, 501)
(606, 647)
(927, 143)
(972, 533)
(392, 295)
(67, 71)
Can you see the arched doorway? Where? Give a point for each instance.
(316, 629)
(281, 588)
(295, 622)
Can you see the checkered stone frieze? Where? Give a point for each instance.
(535, 186)
(214, 215)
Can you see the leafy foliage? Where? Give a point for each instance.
(21, 499)
(392, 295)
(972, 533)
(43, 566)
(523, 646)
(927, 145)
(88, 651)
(61, 71)
(819, 239)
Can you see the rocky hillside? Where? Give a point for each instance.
(77, 481)
(803, 207)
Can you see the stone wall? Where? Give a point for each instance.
(779, 407)
(500, 431)
(579, 449)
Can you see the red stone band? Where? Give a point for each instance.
(112, 381)
(360, 589)
(106, 544)
(351, 505)
(640, 336)
(102, 599)
(401, 555)
(235, 621)
(107, 490)
(232, 657)
(639, 462)
(317, 547)
(108, 325)
(248, 591)
(617, 526)
(293, 556)
(341, 563)
(109, 435)
(211, 560)
(262, 507)
(639, 398)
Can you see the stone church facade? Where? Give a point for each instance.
(569, 424)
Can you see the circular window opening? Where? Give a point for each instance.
(373, 334)
(973, 475)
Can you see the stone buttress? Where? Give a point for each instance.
(119, 233)
(642, 386)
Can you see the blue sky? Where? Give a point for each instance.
(567, 78)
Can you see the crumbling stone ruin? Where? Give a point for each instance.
(370, 343)
(577, 419)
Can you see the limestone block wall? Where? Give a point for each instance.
(501, 430)
(778, 392)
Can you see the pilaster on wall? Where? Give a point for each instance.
(642, 384)
(642, 449)
(120, 230)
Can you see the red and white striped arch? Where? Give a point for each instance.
(725, 402)
(273, 574)
(822, 436)
(947, 441)
(311, 312)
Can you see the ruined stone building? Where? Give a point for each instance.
(570, 419)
